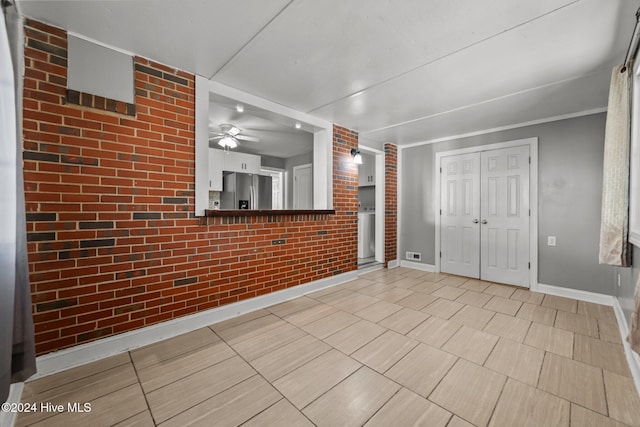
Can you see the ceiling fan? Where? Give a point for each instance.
(229, 136)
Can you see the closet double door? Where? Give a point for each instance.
(485, 215)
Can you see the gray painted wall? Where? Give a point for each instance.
(570, 156)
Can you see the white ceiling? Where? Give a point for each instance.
(399, 71)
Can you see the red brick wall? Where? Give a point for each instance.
(113, 243)
(390, 202)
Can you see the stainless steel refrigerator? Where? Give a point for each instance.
(245, 191)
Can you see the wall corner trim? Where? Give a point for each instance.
(62, 360)
(394, 263)
(418, 266)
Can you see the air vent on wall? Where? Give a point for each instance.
(413, 256)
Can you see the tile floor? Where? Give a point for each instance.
(393, 348)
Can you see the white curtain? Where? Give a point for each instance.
(17, 353)
(614, 227)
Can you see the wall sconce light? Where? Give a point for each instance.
(357, 158)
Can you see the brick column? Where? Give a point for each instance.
(390, 202)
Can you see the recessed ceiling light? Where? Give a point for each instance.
(240, 108)
(298, 125)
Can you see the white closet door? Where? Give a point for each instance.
(505, 216)
(460, 214)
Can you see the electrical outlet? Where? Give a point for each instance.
(551, 240)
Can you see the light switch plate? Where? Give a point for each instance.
(551, 240)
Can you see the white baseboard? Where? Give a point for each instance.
(418, 266)
(633, 360)
(8, 419)
(62, 360)
(393, 264)
(574, 293)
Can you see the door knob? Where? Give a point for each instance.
(484, 221)
(475, 221)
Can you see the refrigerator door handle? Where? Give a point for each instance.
(252, 198)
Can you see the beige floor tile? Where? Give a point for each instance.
(359, 283)
(292, 306)
(330, 324)
(476, 299)
(471, 344)
(538, 314)
(384, 351)
(406, 282)
(378, 311)
(603, 354)
(173, 347)
(285, 359)
(282, 413)
(526, 295)
(387, 278)
(454, 281)
(622, 398)
(338, 408)
(376, 289)
(434, 277)
(356, 303)
(509, 327)
(106, 410)
(174, 398)
(459, 422)
(525, 406)
(334, 297)
(426, 287)
(609, 331)
(560, 303)
(395, 294)
(141, 419)
(503, 305)
(324, 292)
(596, 310)
(247, 330)
(422, 369)
(44, 384)
(404, 320)
(231, 407)
(473, 317)
(575, 381)
(434, 331)
(500, 290)
(516, 360)
(582, 417)
(475, 285)
(354, 336)
(263, 344)
(310, 315)
(161, 374)
(577, 323)
(469, 391)
(417, 300)
(84, 389)
(416, 274)
(408, 409)
(238, 320)
(449, 292)
(551, 339)
(443, 308)
(376, 273)
(305, 384)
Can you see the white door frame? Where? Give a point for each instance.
(533, 196)
(379, 191)
(296, 169)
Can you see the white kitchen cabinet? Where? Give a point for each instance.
(240, 162)
(216, 164)
(367, 171)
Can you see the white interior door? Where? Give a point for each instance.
(484, 215)
(459, 215)
(505, 216)
(303, 187)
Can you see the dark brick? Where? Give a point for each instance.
(39, 237)
(41, 216)
(73, 97)
(187, 281)
(95, 334)
(95, 243)
(42, 157)
(79, 160)
(147, 215)
(46, 47)
(58, 61)
(131, 110)
(112, 105)
(278, 242)
(322, 232)
(176, 79)
(55, 305)
(174, 200)
(148, 70)
(92, 225)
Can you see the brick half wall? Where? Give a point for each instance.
(112, 240)
(390, 202)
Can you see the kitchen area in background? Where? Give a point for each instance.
(366, 211)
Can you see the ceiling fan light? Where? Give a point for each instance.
(228, 142)
(240, 108)
(233, 131)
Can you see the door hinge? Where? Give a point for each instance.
(529, 160)
(440, 254)
(440, 170)
(440, 211)
(529, 266)
(529, 212)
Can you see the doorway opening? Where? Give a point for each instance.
(370, 209)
